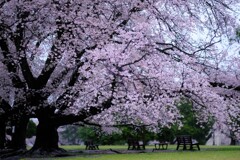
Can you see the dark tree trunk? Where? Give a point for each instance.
(2, 133)
(233, 141)
(46, 137)
(19, 135)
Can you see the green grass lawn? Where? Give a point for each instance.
(206, 153)
(211, 155)
(170, 147)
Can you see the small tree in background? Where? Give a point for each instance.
(88, 133)
(190, 126)
(31, 129)
(70, 134)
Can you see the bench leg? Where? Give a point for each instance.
(198, 147)
(138, 147)
(166, 146)
(184, 147)
(134, 147)
(191, 147)
(177, 146)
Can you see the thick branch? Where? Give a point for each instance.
(223, 85)
(10, 64)
(69, 119)
(4, 105)
(50, 65)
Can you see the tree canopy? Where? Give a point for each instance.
(116, 62)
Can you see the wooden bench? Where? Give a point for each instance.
(185, 140)
(161, 145)
(134, 144)
(90, 145)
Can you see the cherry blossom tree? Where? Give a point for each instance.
(224, 77)
(110, 62)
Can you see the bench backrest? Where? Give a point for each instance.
(89, 142)
(134, 142)
(184, 139)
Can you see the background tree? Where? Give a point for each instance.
(190, 125)
(70, 134)
(31, 129)
(118, 136)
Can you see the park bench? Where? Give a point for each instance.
(161, 145)
(185, 140)
(134, 144)
(90, 145)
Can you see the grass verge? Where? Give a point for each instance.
(206, 153)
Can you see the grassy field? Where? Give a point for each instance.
(211, 155)
(170, 147)
(206, 153)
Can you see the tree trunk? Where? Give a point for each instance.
(19, 135)
(2, 133)
(233, 141)
(46, 137)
